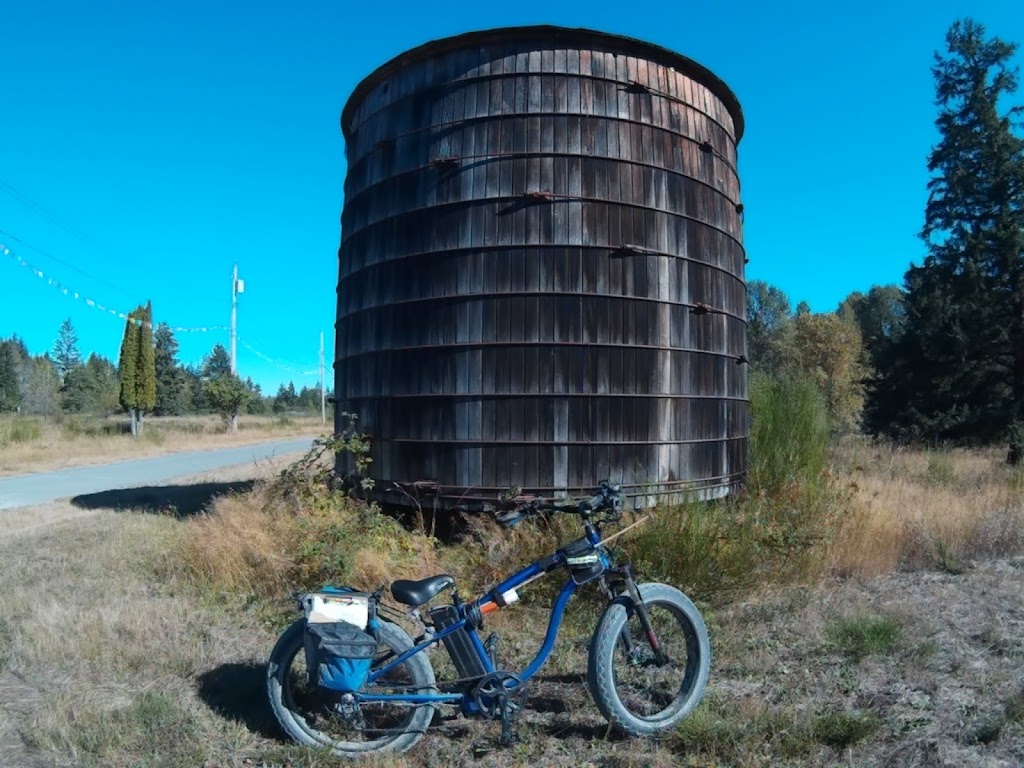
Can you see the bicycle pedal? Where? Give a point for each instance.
(479, 750)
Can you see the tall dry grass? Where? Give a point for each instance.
(914, 508)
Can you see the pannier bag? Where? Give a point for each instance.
(339, 655)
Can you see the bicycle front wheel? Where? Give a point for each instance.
(319, 717)
(635, 692)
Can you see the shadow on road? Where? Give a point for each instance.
(236, 692)
(180, 500)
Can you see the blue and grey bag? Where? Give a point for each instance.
(339, 655)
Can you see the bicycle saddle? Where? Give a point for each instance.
(416, 593)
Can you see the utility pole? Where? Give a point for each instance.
(237, 287)
(323, 394)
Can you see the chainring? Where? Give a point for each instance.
(492, 687)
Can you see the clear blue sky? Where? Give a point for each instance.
(152, 145)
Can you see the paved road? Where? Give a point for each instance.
(41, 487)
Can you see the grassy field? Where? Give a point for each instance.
(32, 444)
(891, 637)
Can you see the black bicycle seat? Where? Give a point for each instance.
(418, 592)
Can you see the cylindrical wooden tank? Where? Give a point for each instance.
(541, 272)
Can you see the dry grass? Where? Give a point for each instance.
(913, 508)
(32, 444)
(109, 656)
(263, 544)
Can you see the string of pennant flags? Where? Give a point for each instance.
(53, 282)
(58, 285)
(278, 363)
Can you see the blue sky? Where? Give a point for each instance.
(146, 147)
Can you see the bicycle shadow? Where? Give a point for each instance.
(236, 692)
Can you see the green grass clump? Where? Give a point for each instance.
(941, 469)
(732, 735)
(19, 430)
(844, 729)
(858, 637)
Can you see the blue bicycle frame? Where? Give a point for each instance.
(532, 571)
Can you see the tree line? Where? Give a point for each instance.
(147, 379)
(940, 358)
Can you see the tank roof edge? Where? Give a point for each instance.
(681, 63)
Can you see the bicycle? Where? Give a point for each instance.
(648, 659)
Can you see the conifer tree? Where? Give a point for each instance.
(66, 356)
(138, 366)
(958, 367)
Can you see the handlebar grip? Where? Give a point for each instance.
(592, 503)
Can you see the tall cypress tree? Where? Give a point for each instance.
(138, 366)
(959, 368)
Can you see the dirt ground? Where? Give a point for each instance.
(108, 659)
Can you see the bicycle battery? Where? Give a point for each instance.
(458, 643)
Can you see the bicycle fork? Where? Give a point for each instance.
(629, 646)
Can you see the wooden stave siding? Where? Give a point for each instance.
(486, 340)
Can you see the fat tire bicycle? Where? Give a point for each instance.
(648, 660)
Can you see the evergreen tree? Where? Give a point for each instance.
(222, 389)
(229, 397)
(878, 314)
(769, 324)
(66, 356)
(286, 399)
(257, 403)
(10, 363)
(92, 387)
(217, 364)
(171, 382)
(958, 367)
(138, 366)
(196, 399)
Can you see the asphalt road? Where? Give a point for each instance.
(41, 487)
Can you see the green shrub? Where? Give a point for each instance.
(789, 434)
(777, 528)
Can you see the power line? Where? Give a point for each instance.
(51, 281)
(50, 216)
(48, 255)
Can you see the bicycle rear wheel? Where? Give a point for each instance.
(319, 717)
(634, 692)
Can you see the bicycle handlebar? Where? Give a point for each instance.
(609, 497)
